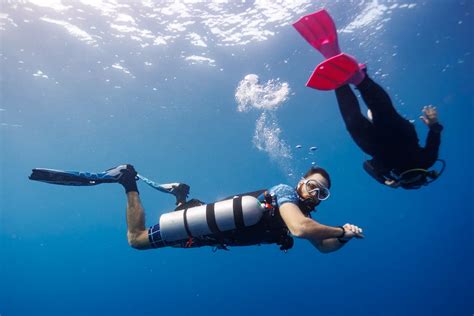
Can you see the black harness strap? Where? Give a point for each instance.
(211, 218)
(238, 213)
(186, 223)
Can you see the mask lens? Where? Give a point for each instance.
(315, 189)
(323, 194)
(311, 186)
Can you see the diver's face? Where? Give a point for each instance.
(308, 187)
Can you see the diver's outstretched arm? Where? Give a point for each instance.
(333, 244)
(328, 245)
(307, 228)
(433, 140)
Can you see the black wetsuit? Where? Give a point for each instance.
(390, 139)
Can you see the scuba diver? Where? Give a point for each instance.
(391, 140)
(270, 216)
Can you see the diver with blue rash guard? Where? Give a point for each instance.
(285, 212)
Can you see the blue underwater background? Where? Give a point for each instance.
(90, 85)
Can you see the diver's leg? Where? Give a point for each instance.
(136, 233)
(388, 123)
(379, 103)
(359, 127)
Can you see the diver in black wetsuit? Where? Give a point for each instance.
(398, 159)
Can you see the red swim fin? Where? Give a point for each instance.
(333, 72)
(320, 31)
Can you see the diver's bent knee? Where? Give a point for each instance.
(136, 245)
(136, 241)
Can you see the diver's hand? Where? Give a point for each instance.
(430, 115)
(392, 183)
(351, 231)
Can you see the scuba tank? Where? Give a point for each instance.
(209, 219)
(257, 206)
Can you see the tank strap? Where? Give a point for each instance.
(185, 219)
(211, 218)
(238, 213)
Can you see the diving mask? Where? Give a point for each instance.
(316, 189)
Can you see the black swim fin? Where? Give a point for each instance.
(76, 178)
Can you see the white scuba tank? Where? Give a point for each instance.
(207, 219)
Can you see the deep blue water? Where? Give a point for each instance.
(64, 105)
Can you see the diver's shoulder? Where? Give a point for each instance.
(281, 188)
